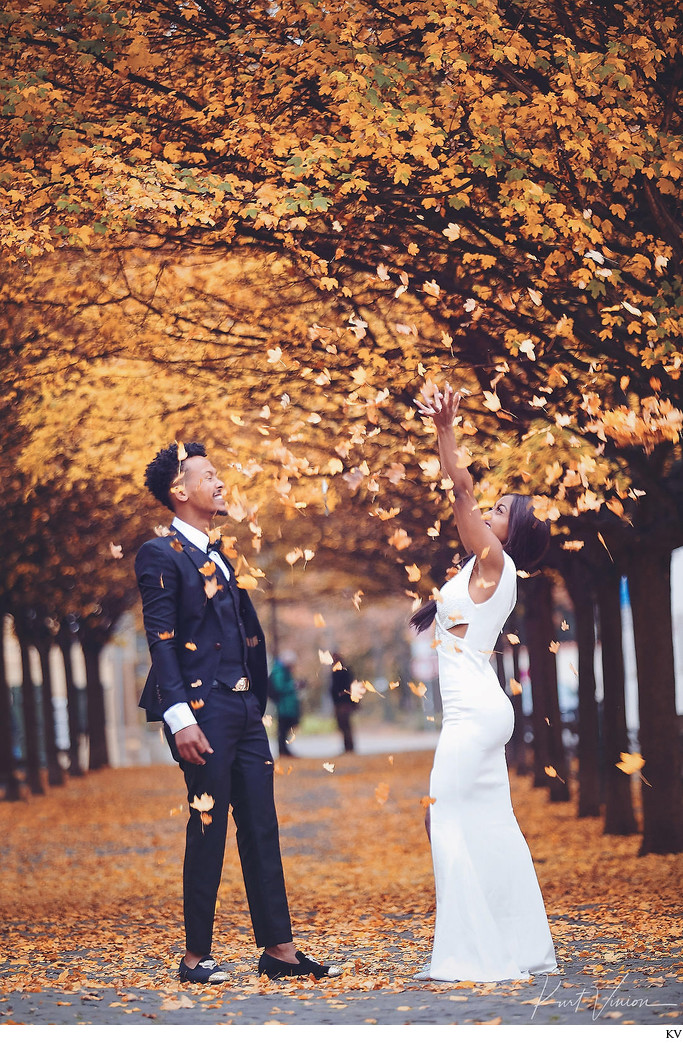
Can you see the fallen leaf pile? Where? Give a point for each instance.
(91, 888)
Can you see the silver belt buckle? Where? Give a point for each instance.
(242, 685)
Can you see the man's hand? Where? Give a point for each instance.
(191, 743)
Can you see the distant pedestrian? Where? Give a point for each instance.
(283, 690)
(344, 706)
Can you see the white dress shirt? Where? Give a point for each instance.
(180, 714)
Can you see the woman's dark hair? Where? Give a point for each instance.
(527, 541)
(161, 473)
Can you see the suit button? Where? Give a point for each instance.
(217, 645)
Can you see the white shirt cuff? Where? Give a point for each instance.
(179, 716)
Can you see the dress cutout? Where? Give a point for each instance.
(491, 923)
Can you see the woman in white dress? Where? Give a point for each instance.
(491, 924)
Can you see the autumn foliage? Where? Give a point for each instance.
(266, 225)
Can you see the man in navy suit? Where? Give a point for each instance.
(208, 683)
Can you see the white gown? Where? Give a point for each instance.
(491, 924)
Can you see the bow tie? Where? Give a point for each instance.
(216, 545)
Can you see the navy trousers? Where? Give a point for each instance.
(239, 773)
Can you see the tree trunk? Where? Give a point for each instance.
(97, 734)
(65, 641)
(578, 584)
(30, 714)
(8, 771)
(620, 819)
(548, 746)
(55, 775)
(649, 579)
(520, 720)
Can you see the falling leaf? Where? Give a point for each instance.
(400, 539)
(452, 232)
(318, 620)
(162, 530)
(357, 599)
(196, 704)
(203, 803)
(513, 639)
(177, 546)
(196, 684)
(328, 766)
(325, 657)
(247, 582)
(602, 541)
(211, 587)
(190, 645)
(515, 687)
(116, 550)
(427, 801)
(414, 573)
(572, 545)
(550, 771)
(208, 569)
(491, 401)
(357, 691)
(167, 635)
(182, 452)
(564, 625)
(394, 684)
(631, 763)
(382, 793)
(554, 647)
(419, 689)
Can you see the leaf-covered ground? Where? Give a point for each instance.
(90, 902)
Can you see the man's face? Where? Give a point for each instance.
(200, 487)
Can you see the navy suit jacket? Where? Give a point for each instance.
(184, 629)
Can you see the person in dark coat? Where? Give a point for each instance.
(344, 706)
(208, 683)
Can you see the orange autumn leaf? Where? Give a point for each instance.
(167, 635)
(382, 793)
(208, 569)
(515, 687)
(211, 587)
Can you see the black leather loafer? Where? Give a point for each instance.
(281, 969)
(207, 972)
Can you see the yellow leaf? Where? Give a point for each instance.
(414, 573)
(630, 763)
(203, 803)
(211, 587)
(318, 620)
(515, 687)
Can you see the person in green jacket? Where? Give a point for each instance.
(283, 690)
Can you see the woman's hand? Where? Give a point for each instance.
(442, 407)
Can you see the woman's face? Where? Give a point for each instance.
(498, 518)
